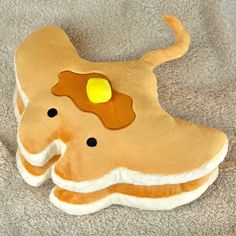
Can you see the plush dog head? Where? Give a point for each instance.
(48, 64)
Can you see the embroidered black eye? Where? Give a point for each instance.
(91, 142)
(52, 112)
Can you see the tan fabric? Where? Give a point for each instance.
(33, 170)
(199, 87)
(19, 103)
(128, 189)
(181, 147)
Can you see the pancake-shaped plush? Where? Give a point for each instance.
(102, 120)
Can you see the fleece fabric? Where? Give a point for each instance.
(200, 87)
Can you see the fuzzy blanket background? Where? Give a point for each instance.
(200, 87)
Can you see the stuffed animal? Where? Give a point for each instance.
(98, 129)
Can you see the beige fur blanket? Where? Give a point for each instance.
(200, 87)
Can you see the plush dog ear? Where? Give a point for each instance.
(42, 56)
(156, 57)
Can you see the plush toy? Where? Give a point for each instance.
(98, 130)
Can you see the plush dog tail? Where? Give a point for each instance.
(156, 57)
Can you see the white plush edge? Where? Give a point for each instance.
(33, 180)
(122, 199)
(124, 175)
(57, 147)
(16, 110)
(167, 203)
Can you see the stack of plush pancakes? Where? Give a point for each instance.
(98, 130)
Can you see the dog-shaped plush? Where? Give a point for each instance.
(98, 130)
